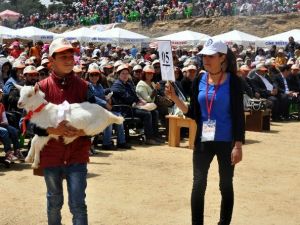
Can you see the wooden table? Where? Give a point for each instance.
(175, 123)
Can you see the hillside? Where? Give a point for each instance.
(259, 25)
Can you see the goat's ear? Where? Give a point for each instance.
(36, 88)
(17, 86)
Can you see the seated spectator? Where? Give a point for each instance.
(281, 58)
(10, 93)
(99, 92)
(5, 70)
(263, 85)
(187, 80)
(285, 95)
(247, 86)
(147, 90)
(294, 85)
(124, 93)
(136, 76)
(8, 135)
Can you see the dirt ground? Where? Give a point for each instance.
(152, 185)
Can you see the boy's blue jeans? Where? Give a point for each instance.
(76, 175)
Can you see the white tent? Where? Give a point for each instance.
(279, 40)
(6, 32)
(185, 38)
(120, 35)
(35, 34)
(82, 34)
(237, 37)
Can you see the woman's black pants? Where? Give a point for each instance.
(201, 162)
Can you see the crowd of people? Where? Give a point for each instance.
(133, 78)
(107, 11)
(211, 83)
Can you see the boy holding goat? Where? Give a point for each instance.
(58, 160)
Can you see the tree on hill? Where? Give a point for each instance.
(27, 7)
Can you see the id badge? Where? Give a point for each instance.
(208, 130)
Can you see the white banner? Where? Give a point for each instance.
(166, 60)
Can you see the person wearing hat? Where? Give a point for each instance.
(58, 160)
(157, 74)
(243, 72)
(263, 85)
(94, 77)
(137, 72)
(78, 71)
(43, 72)
(5, 71)
(281, 58)
(31, 75)
(147, 90)
(217, 106)
(15, 78)
(187, 80)
(124, 93)
(293, 81)
(9, 135)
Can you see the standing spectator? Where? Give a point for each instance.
(36, 51)
(291, 47)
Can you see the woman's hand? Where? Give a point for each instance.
(170, 91)
(157, 86)
(236, 154)
(63, 129)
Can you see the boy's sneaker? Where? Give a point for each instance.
(10, 156)
(19, 155)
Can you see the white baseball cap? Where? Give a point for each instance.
(212, 47)
(30, 69)
(59, 45)
(93, 68)
(137, 67)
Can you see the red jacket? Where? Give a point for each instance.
(56, 153)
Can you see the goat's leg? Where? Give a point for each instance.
(39, 144)
(31, 152)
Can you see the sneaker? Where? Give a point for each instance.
(151, 142)
(19, 155)
(10, 156)
(124, 146)
(109, 147)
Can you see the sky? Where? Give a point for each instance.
(45, 2)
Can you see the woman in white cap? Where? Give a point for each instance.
(94, 77)
(217, 107)
(124, 93)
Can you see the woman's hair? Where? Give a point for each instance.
(230, 65)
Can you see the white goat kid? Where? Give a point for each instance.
(91, 118)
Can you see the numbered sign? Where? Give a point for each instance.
(166, 60)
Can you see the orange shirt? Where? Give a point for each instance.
(34, 51)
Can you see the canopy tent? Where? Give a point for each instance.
(9, 15)
(35, 34)
(82, 34)
(186, 37)
(7, 33)
(279, 40)
(237, 37)
(120, 35)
